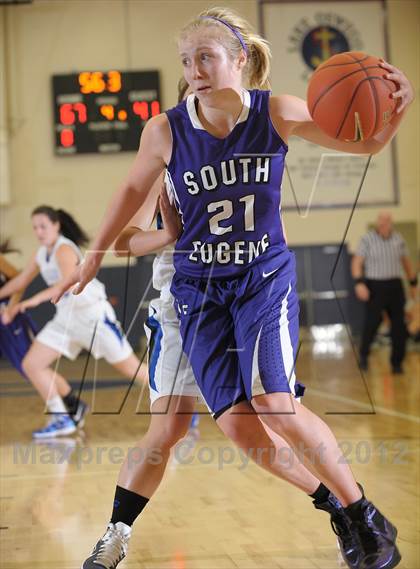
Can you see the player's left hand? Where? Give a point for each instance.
(405, 91)
(170, 217)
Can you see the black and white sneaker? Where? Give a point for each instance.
(110, 549)
(78, 415)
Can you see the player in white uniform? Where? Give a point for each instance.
(88, 322)
(169, 370)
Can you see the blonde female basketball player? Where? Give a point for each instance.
(173, 393)
(235, 278)
(86, 322)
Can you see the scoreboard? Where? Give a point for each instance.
(103, 111)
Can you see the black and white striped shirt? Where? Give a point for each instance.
(382, 257)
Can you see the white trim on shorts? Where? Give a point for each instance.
(170, 373)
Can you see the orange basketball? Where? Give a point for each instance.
(349, 98)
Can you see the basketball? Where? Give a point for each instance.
(349, 98)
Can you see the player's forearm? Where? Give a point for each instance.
(147, 242)
(123, 206)
(11, 287)
(43, 296)
(15, 298)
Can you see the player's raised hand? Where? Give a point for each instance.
(80, 277)
(405, 91)
(170, 217)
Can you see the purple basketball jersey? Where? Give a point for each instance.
(227, 190)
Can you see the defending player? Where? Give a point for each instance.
(87, 322)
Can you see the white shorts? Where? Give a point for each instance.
(169, 370)
(93, 328)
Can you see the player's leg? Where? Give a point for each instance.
(110, 342)
(140, 476)
(131, 367)
(143, 469)
(273, 453)
(311, 439)
(209, 339)
(267, 330)
(49, 385)
(64, 334)
(36, 364)
(241, 424)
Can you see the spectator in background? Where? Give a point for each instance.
(376, 269)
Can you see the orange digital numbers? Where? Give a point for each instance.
(107, 111)
(84, 82)
(94, 82)
(103, 111)
(114, 81)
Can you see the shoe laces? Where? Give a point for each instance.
(113, 548)
(56, 421)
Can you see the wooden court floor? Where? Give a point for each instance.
(213, 511)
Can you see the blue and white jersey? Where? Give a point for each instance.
(227, 190)
(51, 273)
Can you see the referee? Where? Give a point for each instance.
(376, 269)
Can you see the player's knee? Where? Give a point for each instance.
(28, 365)
(283, 423)
(237, 430)
(171, 431)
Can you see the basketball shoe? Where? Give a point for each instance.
(57, 426)
(340, 523)
(376, 536)
(110, 549)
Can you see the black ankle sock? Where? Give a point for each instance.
(127, 506)
(321, 494)
(355, 511)
(71, 401)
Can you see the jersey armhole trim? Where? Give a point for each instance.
(171, 160)
(273, 128)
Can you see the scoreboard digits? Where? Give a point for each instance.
(103, 111)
